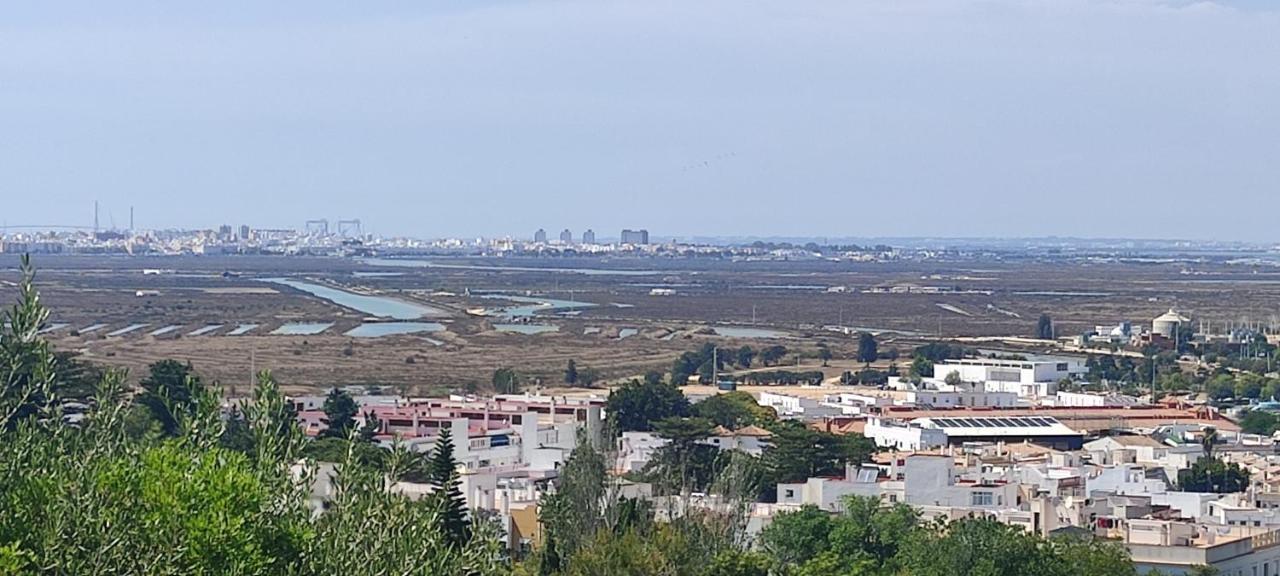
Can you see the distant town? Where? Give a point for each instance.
(347, 237)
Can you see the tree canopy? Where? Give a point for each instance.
(638, 404)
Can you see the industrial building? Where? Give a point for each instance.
(1043, 430)
(1168, 324)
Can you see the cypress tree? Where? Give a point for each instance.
(443, 475)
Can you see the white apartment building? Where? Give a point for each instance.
(1027, 379)
(1179, 548)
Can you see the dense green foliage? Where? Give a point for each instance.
(1259, 422)
(734, 410)
(1044, 327)
(783, 377)
(340, 411)
(798, 452)
(868, 539)
(638, 404)
(571, 373)
(867, 348)
(87, 495)
(1213, 475)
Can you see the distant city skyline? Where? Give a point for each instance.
(941, 118)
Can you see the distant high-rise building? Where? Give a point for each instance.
(540, 236)
(244, 231)
(589, 237)
(225, 233)
(566, 237)
(635, 236)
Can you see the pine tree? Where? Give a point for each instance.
(443, 474)
(340, 411)
(1044, 327)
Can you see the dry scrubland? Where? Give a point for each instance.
(786, 296)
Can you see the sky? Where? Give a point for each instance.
(838, 118)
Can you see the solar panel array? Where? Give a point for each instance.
(995, 422)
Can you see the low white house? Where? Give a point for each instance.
(903, 436)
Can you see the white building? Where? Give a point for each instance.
(1179, 548)
(931, 481)
(903, 436)
(1124, 479)
(829, 493)
(798, 407)
(962, 397)
(1089, 400)
(1022, 377)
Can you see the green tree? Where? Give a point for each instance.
(793, 538)
(575, 511)
(571, 373)
(684, 463)
(771, 355)
(636, 405)
(169, 392)
(30, 367)
(867, 348)
(340, 411)
(733, 410)
(1259, 422)
(745, 356)
(824, 354)
(979, 547)
(447, 496)
(740, 563)
(1044, 327)
(921, 367)
(1210, 474)
(1084, 557)
(797, 452)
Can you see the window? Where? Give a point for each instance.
(981, 499)
(790, 493)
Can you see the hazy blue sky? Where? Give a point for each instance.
(1109, 118)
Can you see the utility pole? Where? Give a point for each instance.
(715, 367)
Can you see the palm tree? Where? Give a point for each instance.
(1210, 438)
